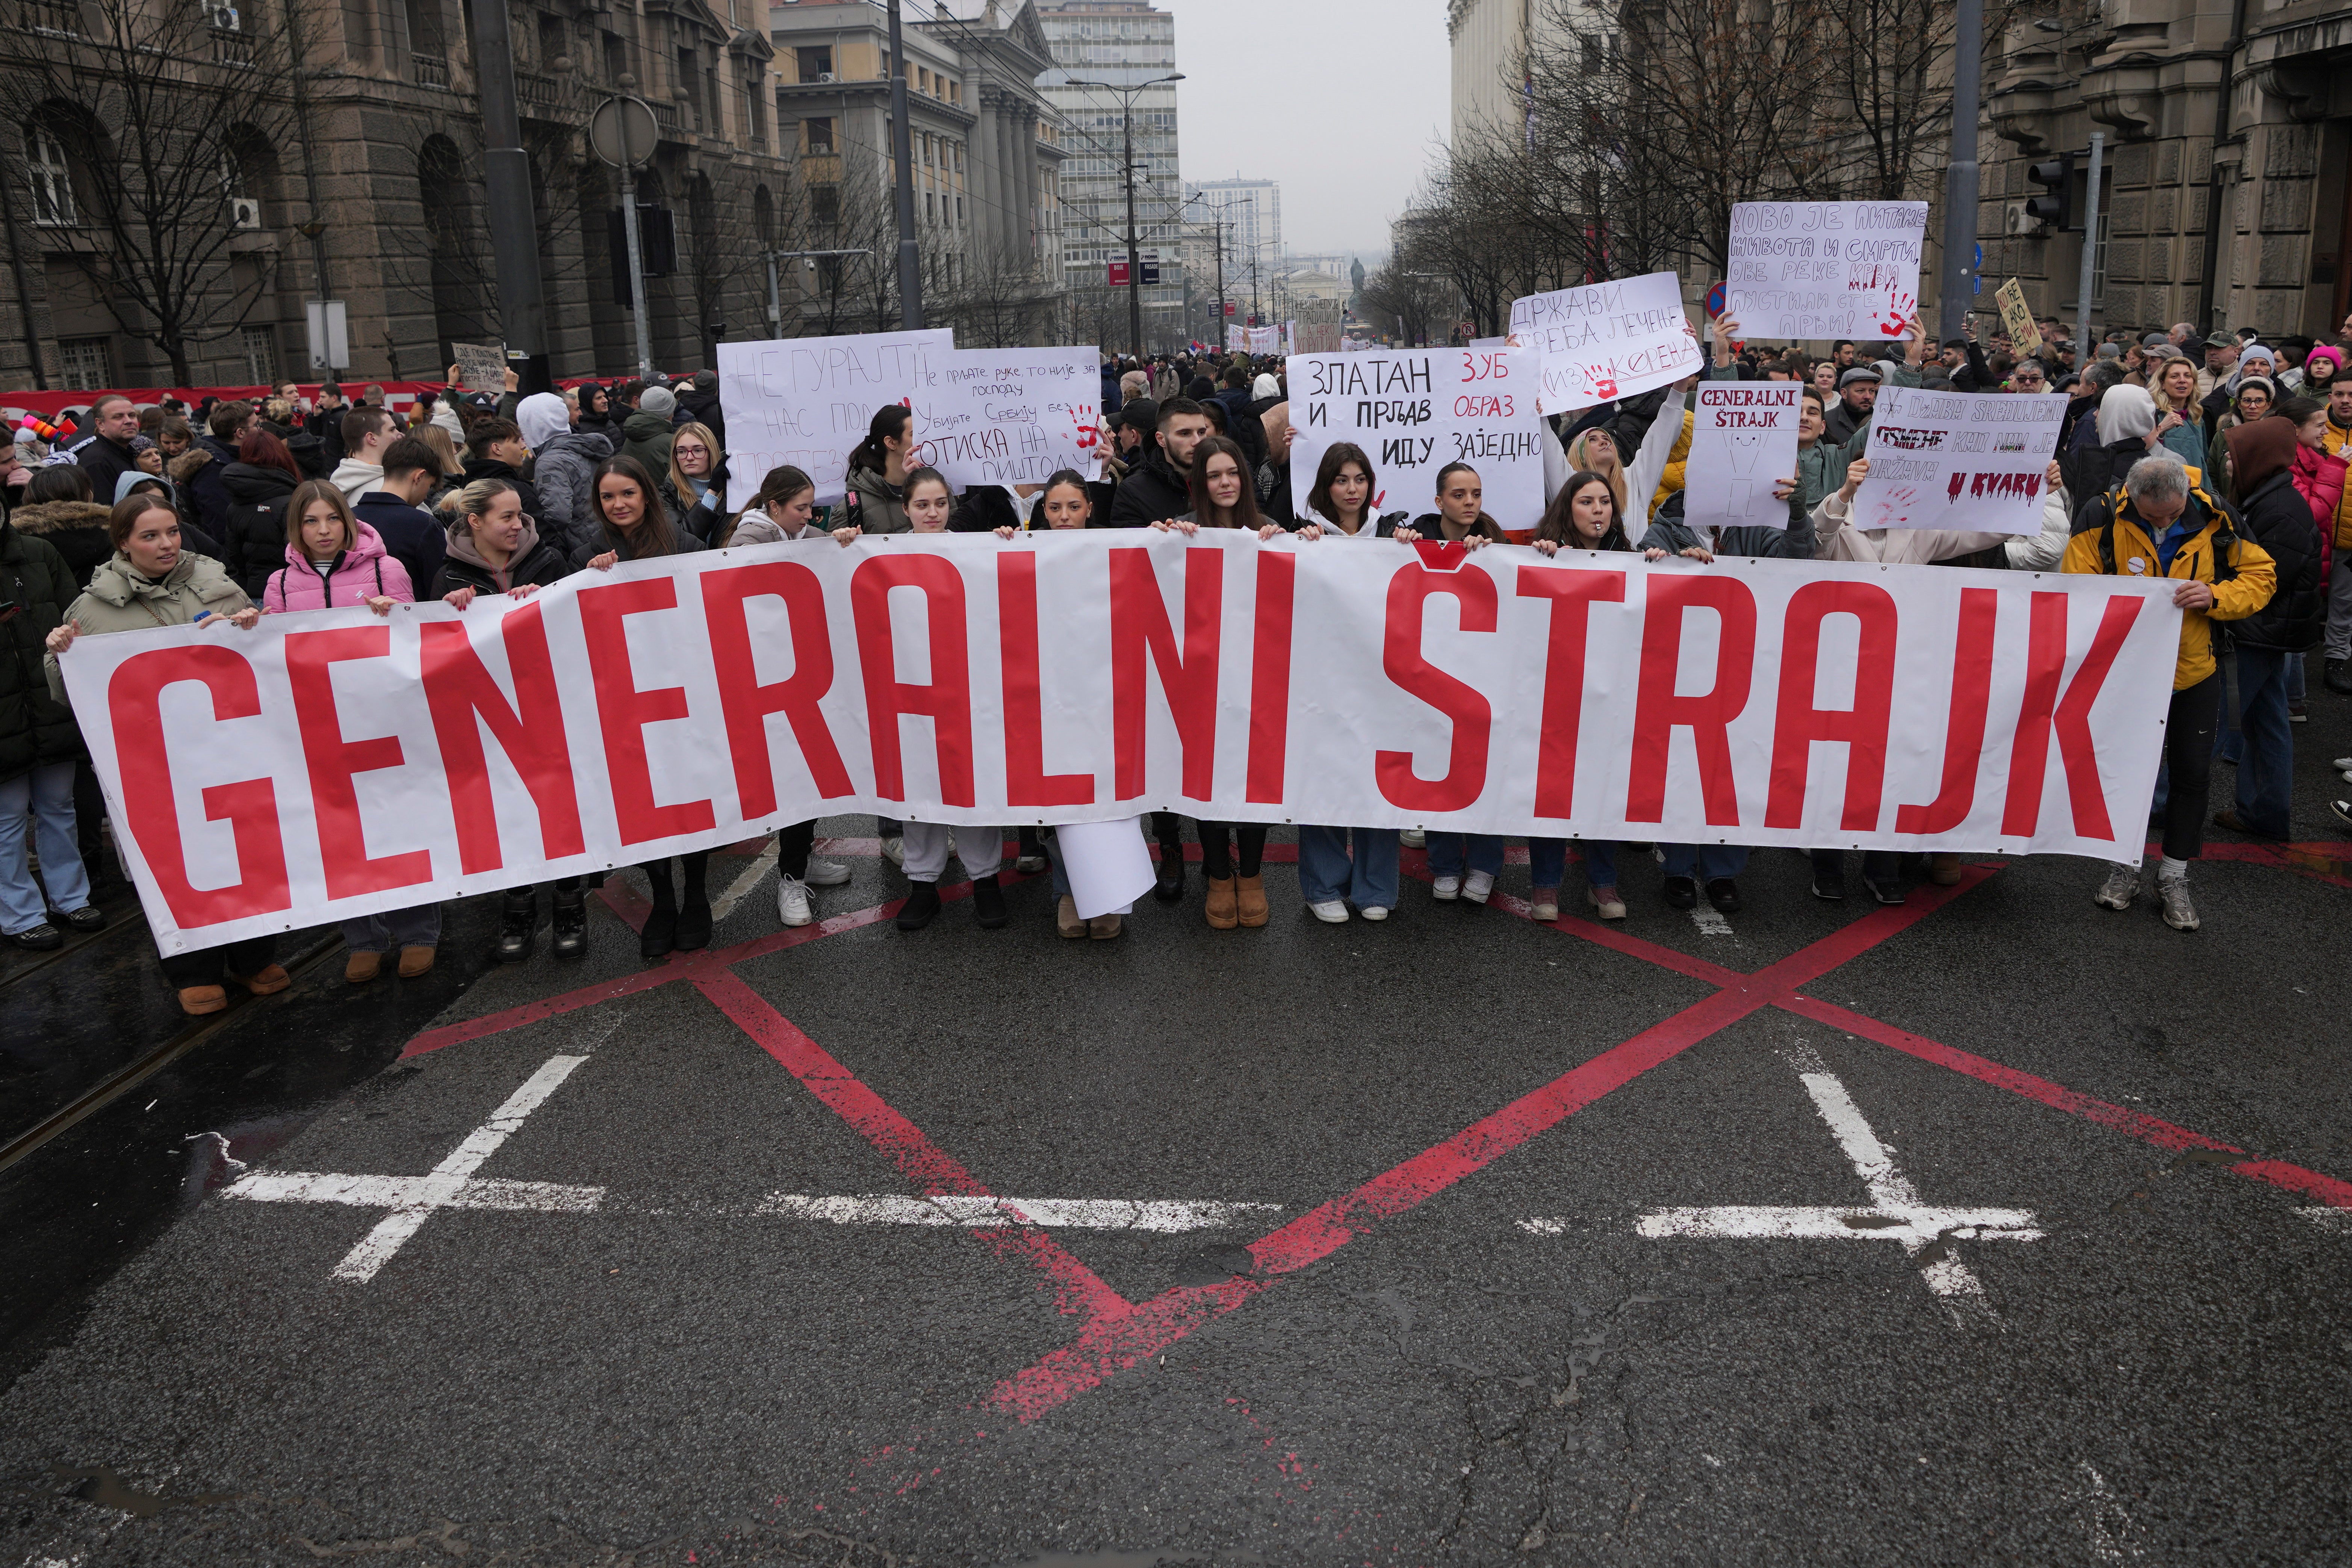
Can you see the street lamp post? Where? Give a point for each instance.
(1126, 170)
(902, 158)
(1221, 223)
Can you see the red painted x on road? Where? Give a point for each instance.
(1116, 1333)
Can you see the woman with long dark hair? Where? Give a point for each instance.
(253, 532)
(1344, 497)
(877, 501)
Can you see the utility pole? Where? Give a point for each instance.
(1956, 284)
(1126, 96)
(514, 231)
(2090, 257)
(902, 155)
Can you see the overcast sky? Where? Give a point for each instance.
(1340, 100)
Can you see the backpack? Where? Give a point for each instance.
(2225, 567)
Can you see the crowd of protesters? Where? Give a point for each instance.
(2219, 458)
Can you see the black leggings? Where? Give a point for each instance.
(2189, 759)
(1221, 857)
(697, 864)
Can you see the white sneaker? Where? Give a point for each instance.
(2179, 912)
(792, 901)
(1331, 911)
(2121, 887)
(894, 849)
(1414, 838)
(1029, 865)
(826, 873)
(2342, 764)
(1374, 911)
(1445, 890)
(1480, 884)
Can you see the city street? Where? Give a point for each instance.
(1991, 1228)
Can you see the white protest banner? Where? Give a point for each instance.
(1007, 417)
(1606, 341)
(328, 763)
(1415, 410)
(1235, 336)
(808, 402)
(1824, 269)
(1743, 437)
(481, 367)
(1262, 341)
(1970, 460)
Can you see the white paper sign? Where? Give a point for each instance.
(1415, 410)
(1107, 863)
(1743, 437)
(808, 402)
(1824, 269)
(1262, 340)
(1607, 341)
(1974, 461)
(1007, 417)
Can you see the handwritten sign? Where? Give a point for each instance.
(1262, 340)
(1606, 341)
(1007, 417)
(481, 367)
(808, 402)
(1415, 410)
(2017, 318)
(1968, 460)
(1825, 269)
(1743, 437)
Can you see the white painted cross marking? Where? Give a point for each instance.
(740, 888)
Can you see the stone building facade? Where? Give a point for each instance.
(369, 185)
(2229, 135)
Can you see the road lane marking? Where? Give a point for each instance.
(1075, 1214)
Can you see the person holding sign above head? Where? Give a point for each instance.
(2162, 523)
(1232, 853)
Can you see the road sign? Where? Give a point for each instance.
(1118, 274)
(623, 132)
(1715, 297)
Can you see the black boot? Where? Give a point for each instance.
(517, 922)
(988, 903)
(694, 905)
(658, 935)
(570, 934)
(1170, 884)
(921, 906)
(2338, 677)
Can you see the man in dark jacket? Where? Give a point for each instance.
(326, 422)
(699, 405)
(1161, 486)
(105, 453)
(224, 426)
(411, 536)
(1240, 424)
(2273, 514)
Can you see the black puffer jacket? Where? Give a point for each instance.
(2277, 518)
(1151, 492)
(700, 406)
(36, 729)
(254, 542)
(75, 529)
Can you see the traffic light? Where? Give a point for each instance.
(2057, 177)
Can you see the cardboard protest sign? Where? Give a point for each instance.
(2017, 318)
(1743, 439)
(1606, 341)
(1007, 417)
(1975, 461)
(1825, 269)
(808, 401)
(1317, 330)
(481, 367)
(1415, 410)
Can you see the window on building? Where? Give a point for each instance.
(959, 210)
(554, 42)
(52, 181)
(931, 207)
(755, 109)
(686, 80)
(259, 346)
(922, 79)
(824, 205)
(818, 134)
(82, 364)
(617, 59)
(816, 63)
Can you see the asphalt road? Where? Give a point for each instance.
(1993, 1229)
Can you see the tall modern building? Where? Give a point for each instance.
(1252, 212)
(1118, 42)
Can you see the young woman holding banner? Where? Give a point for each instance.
(1460, 519)
(875, 502)
(1342, 502)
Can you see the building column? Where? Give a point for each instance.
(988, 193)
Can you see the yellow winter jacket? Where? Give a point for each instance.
(2135, 555)
(2338, 442)
(1677, 464)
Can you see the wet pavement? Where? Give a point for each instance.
(1995, 1227)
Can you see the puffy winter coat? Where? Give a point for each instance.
(120, 600)
(492, 468)
(874, 504)
(2276, 517)
(2338, 443)
(76, 529)
(2117, 544)
(253, 542)
(560, 472)
(354, 576)
(698, 406)
(2320, 476)
(36, 728)
(535, 562)
(646, 437)
(203, 486)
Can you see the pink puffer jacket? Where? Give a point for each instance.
(357, 575)
(2319, 479)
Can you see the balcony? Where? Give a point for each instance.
(60, 18)
(430, 71)
(230, 47)
(541, 95)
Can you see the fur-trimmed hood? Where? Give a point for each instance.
(55, 516)
(185, 467)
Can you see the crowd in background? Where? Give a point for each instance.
(2220, 460)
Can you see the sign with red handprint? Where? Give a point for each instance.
(1825, 269)
(1601, 341)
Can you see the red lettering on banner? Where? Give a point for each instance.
(1466, 769)
(946, 700)
(134, 700)
(1659, 710)
(1269, 726)
(333, 762)
(1026, 782)
(463, 696)
(1572, 593)
(2045, 713)
(1139, 622)
(1964, 726)
(747, 703)
(622, 711)
(1862, 729)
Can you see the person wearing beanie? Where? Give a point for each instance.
(645, 434)
(698, 405)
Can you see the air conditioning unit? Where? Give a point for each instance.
(244, 212)
(824, 76)
(225, 18)
(2015, 221)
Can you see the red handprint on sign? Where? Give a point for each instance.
(1088, 434)
(1894, 320)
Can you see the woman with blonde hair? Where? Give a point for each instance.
(2180, 417)
(694, 489)
(453, 468)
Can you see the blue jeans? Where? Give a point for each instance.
(1368, 881)
(2295, 677)
(382, 931)
(1708, 862)
(1599, 862)
(46, 795)
(2255, 734)
(1447, 851)
(1546, 858)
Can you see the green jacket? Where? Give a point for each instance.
(120, 600)
(646, 437)
(36, 728)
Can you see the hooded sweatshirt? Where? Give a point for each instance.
(542, 418)
(2273, 514)
(355, 478)
(74, 528)
(353, 577)
(462, 566)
